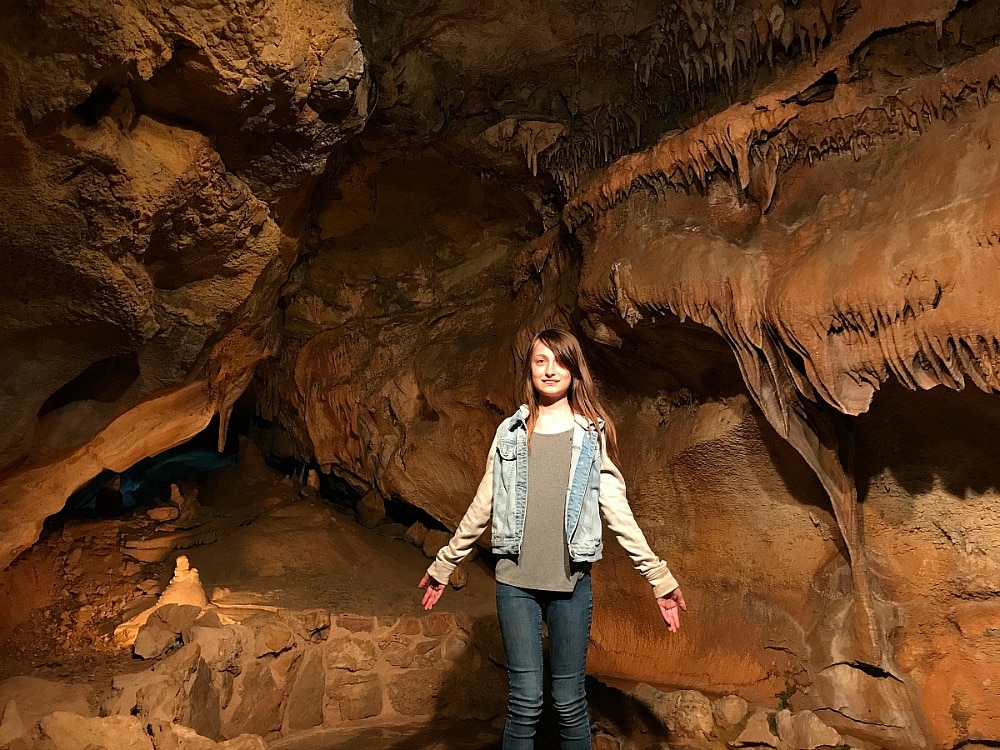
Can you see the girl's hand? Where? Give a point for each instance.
(434, 591)
(670, 608)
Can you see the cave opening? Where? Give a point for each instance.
(147, 484)
(97, 104)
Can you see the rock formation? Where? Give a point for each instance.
(158, 162)
(772, 223)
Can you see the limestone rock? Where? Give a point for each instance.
(757, 732)
(350, 653)
(185, 586)
(416, 534)
(36, 697)
(184, 589)
(272, 635)
(456, 648)
(434, 541)
(416, 692)
(407, 625)
(168, 692)
(686, 714)
(244, 742)
(161, 697)
(164, 513)
(154, 640)
(350, 697)
(312, 479)
(170, 736)
(12, 727)
(202, 712)
(175, 617)
(304, 704)
(785, 727)
(437, 624)
(256, 704)
(221, 647)
(459, 577)
(163, 629)
(68, 731)
(167, 736)
(124, 689)
(253, 467)
(209, 619)
(356, 623)
(186, 502)
(730, 711)
(371, 510)
(805, 731)
(312, 624)
(399, 652)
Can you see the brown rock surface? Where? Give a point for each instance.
(757, 732)
(146, 152)
(371, 510)
(35, 697)
(67, 731)
(304, 705)
(729, 711)
(685, 714)
(764, 219)
(257, 705)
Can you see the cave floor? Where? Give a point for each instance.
(63, 598)
(446, 734)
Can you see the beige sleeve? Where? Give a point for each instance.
(618, 516)
(471, 527)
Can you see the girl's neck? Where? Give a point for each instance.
(554, 417)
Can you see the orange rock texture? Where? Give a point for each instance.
(157, 165)
(773, 224)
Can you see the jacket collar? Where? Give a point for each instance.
(521, 417)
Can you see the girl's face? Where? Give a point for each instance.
(549, 377)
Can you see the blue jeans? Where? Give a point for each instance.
(568, 615)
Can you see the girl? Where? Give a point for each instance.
(548, 480)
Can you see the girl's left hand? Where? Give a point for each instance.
(670, 609)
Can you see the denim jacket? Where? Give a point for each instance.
(510, 489)
(596, 488)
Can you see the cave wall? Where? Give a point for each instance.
(158, 160)
(841, 285)
(766, 222)
(929, 488)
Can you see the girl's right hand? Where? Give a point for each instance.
(434, 590)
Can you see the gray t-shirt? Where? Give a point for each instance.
(544, 560)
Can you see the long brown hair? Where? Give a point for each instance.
(583, 396)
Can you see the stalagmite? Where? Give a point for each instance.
(184, 589)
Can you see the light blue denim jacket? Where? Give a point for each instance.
(510, 489)
(596, 489)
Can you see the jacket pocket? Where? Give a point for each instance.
(507, 449)
(506, 460)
